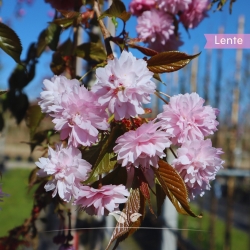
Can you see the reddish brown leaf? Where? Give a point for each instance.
(174, 187)
(134, 205)
(69, 14)
(169, 61)
(145, 192)
(145, 51)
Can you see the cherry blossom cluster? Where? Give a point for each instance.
(157, 20)
(189, 122)
(81, 116)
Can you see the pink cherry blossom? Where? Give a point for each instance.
(67, 169)
(124, 85)
(53, 91)
(195, 13)
(143, 147)
(187, 119)
(155, 26)
(78, 117)
(101, 201)
(197, 163)
(173, 43)
(136, 7)
(173, 6)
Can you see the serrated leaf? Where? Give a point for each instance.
(105, 166)
(18, 111)
(174, 187)
(134, 205)
(116, 9)
(64, 22)
(33, 118)
(57, 64)
(10, 42)
(104, 148)
(66, 48)
(144, 50)
(169, 61)
(91, 51)
(48, 37)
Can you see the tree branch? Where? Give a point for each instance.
(105, 32)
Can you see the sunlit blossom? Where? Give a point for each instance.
(67, 169)
(198, 162)
(186, 118)
(53, 91)
(142, 147)
(101, 201)
(124, 85)
(79, 117)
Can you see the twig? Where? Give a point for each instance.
(173, 152)
(161, 97)
(105, 32)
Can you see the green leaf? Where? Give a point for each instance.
(21, 76)
(169, 61)
(48, 37)
(134, 205)
(105, 166)
(174, 187)
(57, 64)
(114, 21)
(10, 42)
(91, 51)
(18, 104)
(33, 119)
(64, 22)
(117, 9)
(116, 177)
(102, 150)
(70, 18)
(66, 48)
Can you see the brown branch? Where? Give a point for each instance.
(105, 32)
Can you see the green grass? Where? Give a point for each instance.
(17, 207)
(239, 240)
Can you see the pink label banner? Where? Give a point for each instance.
(227, 41)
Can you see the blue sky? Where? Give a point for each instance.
(36, 18)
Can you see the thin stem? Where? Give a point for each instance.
(163, 93)
(85, 75)
(100, 181)
(161, 97)
(173, 152)
(105, 32)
